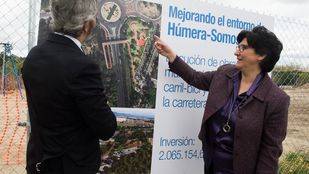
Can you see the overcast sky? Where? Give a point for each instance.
(14, 20)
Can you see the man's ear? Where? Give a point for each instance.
(88, 26)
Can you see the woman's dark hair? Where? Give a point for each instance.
(265, 43)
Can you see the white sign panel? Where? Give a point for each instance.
(204, 36)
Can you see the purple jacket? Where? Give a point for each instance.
(261, 122)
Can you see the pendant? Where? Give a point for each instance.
(226, 128)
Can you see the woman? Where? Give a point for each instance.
(245, 118)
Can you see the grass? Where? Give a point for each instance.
(295, 163)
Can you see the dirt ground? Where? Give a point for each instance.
(13, 109)
(298, 124)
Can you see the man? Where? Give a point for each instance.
(67, 107)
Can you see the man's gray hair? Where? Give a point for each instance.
(69, 16)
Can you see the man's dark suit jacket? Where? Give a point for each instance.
(67, 107)
(261, 122)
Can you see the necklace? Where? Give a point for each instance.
(226, 127)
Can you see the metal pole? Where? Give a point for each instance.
(3, 66)
(30, 26)
(32, 23)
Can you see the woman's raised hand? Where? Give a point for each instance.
(164, 49)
